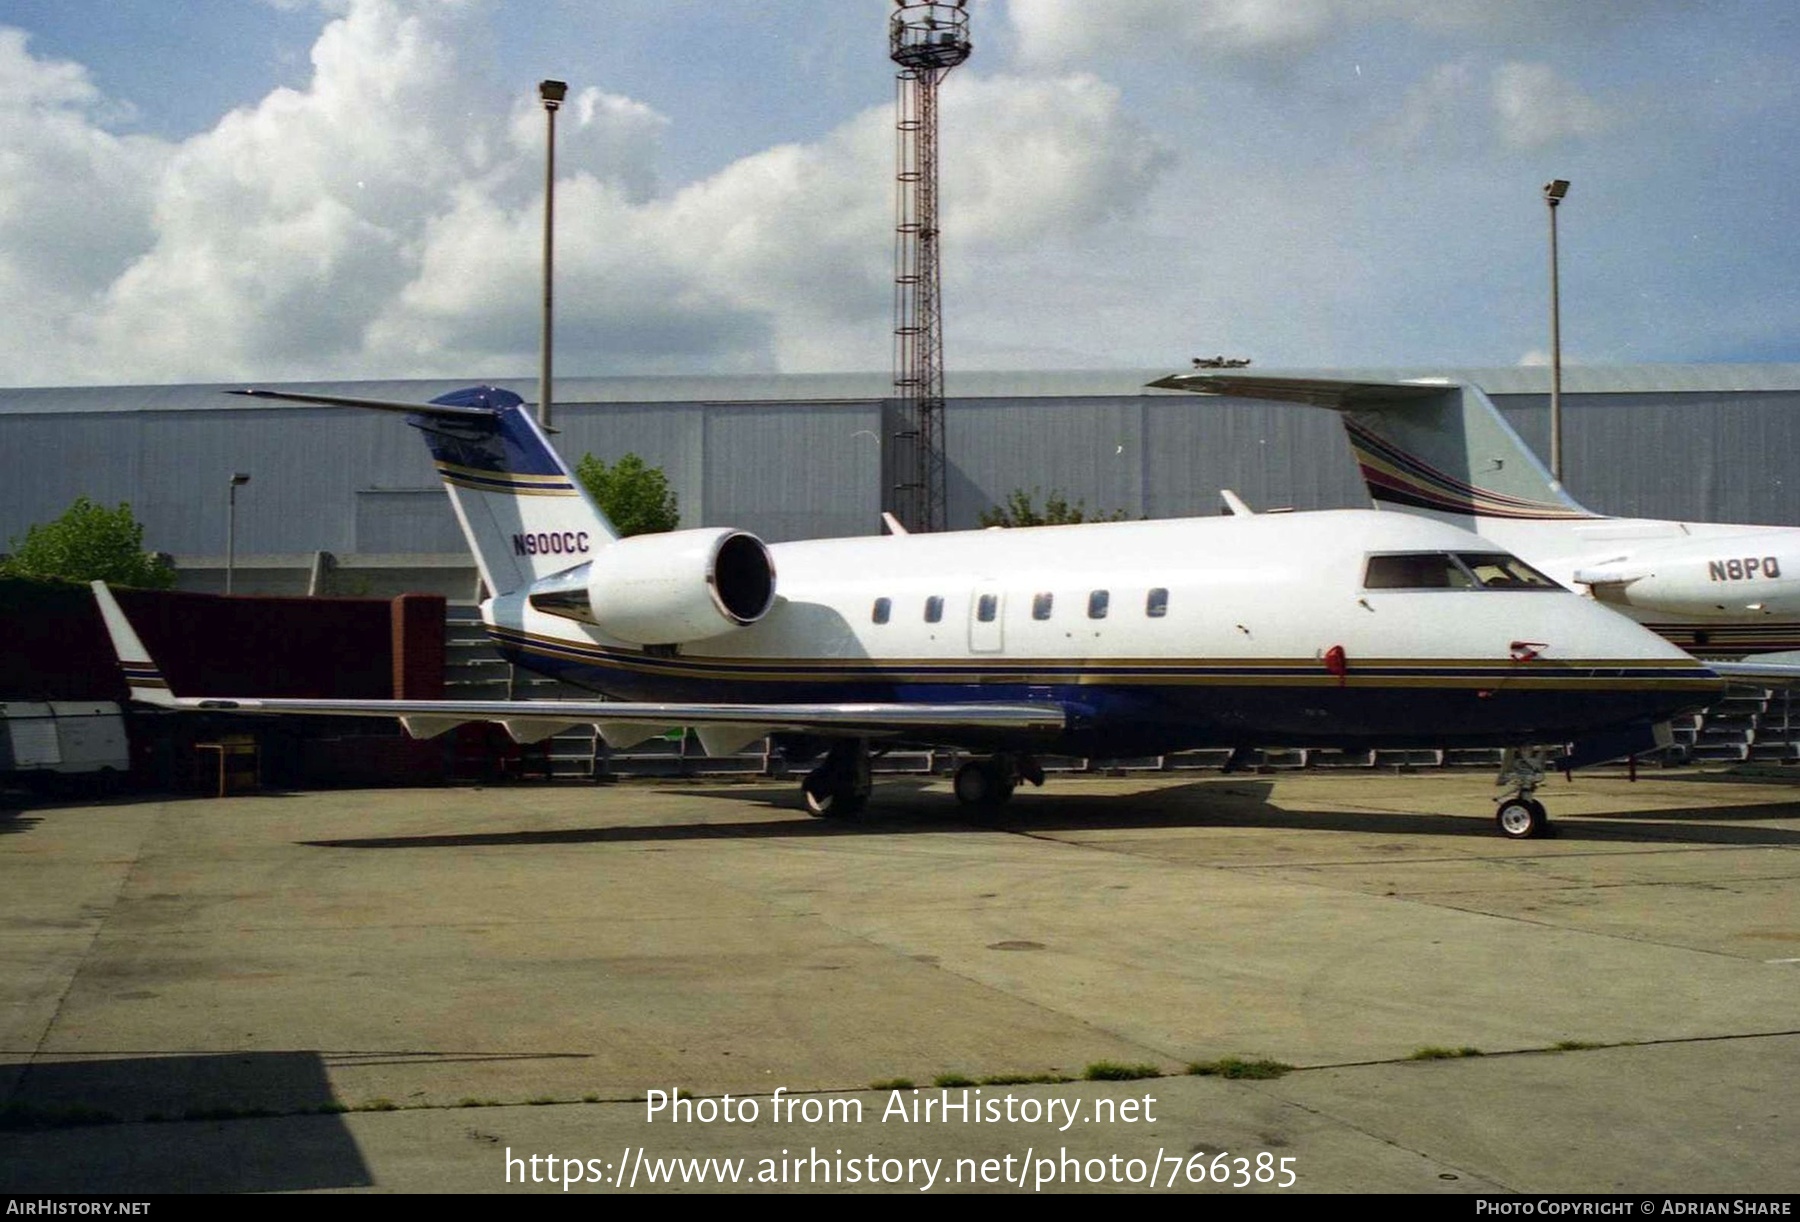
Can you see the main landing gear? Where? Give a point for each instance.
(990, 782)
(839, 786)
(1519, 815)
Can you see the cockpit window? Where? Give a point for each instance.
(1417, 571)
(1500, 571)
(1448, 571)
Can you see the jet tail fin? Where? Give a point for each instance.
(1435, 446)
(524, 513)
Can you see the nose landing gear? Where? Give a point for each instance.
(1520, 816)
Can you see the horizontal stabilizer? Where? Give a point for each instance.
(441, 410)
(1337, 395)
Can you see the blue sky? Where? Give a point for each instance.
(240, 189)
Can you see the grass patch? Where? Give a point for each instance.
(1237, 1067)
(1575, 1045)
(892, 1084)
(1114, 1071)
(379, 1105)
(1023, 1079)
(540, 1101)
(952, 1079)
(1444, 1054)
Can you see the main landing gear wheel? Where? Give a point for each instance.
(984, 783)
(1521, 818)
(839, 787)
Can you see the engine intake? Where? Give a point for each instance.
(666, 589)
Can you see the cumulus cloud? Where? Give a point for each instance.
(73, 198)
(1034, 159)
(1065, 31)
(1523, 105)
(603, 134)
(1432, 107)
(783, 258)
(385, 220)
(1534, 107)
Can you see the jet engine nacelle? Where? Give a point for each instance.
(1725, 577)
(666, 589)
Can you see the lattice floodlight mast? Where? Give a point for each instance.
(926, 40)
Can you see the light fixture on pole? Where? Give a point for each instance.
(1554, 191)
(237, 481)
(551, 93)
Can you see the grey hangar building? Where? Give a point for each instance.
(346, 501)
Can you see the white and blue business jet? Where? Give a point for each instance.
(1345, 628)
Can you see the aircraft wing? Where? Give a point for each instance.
(723, 728)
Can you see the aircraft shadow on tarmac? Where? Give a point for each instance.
(102, 1102)
(904, 806)
(17, 821)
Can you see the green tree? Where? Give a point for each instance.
(1021, 510)
(635, 496)
(90, 543)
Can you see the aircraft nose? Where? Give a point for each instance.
(1673, 680)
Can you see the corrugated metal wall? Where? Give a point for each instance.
(359, 483)
(1696, 456)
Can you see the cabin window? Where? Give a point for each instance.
(884, 607)
(1156, 605)
(1500, 571)
(1040, 606)
(1417, 571)
(985, 606)
(934, 609)
(1097, 603)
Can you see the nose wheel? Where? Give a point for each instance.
(1520, 816)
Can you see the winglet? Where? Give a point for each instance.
(141, 674)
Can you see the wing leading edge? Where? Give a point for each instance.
(723, 728)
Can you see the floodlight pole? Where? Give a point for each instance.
(551, 93)
(1553, 195)
(237, 481)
